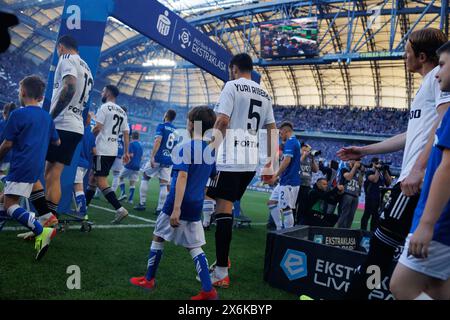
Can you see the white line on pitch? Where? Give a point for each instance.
(114, 211)
(94, 226)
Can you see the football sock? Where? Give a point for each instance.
(154, 257)
(143, 192)
(130, 197)
(162, 196)
(208, 210)
(122, 188)
(80, 199)
(37, 198)
(201, 265)
(25, 218)
(53, 207)
(288, 218)
(223, 235)
(276, 216)
(90, 192)
(111, 197)
(115, 181)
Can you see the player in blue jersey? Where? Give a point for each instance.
(27, 134)
(284, 196)
(4, 166)
(423, 271)
(118, 163)
(180, 218)
(84, 165)
(160, 163)
(131, 170)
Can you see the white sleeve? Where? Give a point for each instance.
(125, 126)
(68, 67)
(270, 118)
(101, 115)
(226, 100)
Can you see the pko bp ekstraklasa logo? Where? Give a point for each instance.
(294, 264)
(185, 38)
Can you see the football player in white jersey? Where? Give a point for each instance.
(72, 84)
(426, 112)
(111, 122)
(243, 109)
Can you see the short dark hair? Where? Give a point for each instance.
(428, 41)
(322, 178)
(375, 160)
(34, 86)
(444, 48)
(8, 108)
(204, 114)
(171, 114)
(113, 89)
(287, 124)
(69, 42)
(243, 62)
(135, 135)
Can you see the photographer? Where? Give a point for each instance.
(376, 176)
(352, 180)
(308, 166)
(320, 198)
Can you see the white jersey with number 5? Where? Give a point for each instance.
(250, 109)
(115, 122)
(71, 118)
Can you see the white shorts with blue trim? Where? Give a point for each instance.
(22, 189)
(117, 165)
(436, 265)
(161, 172)
(188, 234)
(285, 195)
(132, 175)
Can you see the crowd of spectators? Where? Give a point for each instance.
(339, 119)
(332, 119)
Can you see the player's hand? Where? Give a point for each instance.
(126, 158)
(153, 163)
(175, 218)
(267, 169)
(350, 153)
(420, 240)
(358, 164)
(412, 183)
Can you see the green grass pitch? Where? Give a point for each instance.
(109, 257)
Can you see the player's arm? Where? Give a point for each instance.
(219, 129)
(438, 198)
(126, 145)
(98, 128)
(156, 146)
(54, 138)
(392, 144)
(5, 147)
(180, 189)
(67, 93)
(272, 147)
(412, 183)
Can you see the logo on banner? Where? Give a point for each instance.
(185, 38)
(318, 238)
(365, 243)
(164, 23)
(294, 264)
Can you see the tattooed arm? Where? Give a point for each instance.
(67, 93)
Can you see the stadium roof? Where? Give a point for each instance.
(361, 43)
